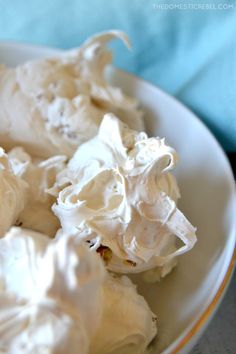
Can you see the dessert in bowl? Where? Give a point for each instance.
(180, 299)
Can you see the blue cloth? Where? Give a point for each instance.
(191, 53)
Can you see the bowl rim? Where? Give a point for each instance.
(206, 316)
(190, 334)
(201, 322)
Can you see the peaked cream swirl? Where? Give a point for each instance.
(50, 106)
(40, 175)
(51, 294)
(117, 192)
(12, 194)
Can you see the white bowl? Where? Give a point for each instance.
(186, 300)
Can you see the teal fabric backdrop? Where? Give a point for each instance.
(191, 53)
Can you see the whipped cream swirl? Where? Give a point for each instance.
(117, 193)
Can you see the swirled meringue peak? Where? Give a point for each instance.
(12, 194)
(51, 294)
(118, 194)
(50, 106)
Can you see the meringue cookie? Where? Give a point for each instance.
(55, 297)
(50, 106)
(40, 175)
(48, 287)
(12, 194)
(128, 325)
(117, 192)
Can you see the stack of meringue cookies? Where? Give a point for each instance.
(86, 197)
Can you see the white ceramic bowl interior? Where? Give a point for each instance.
(208, 199)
